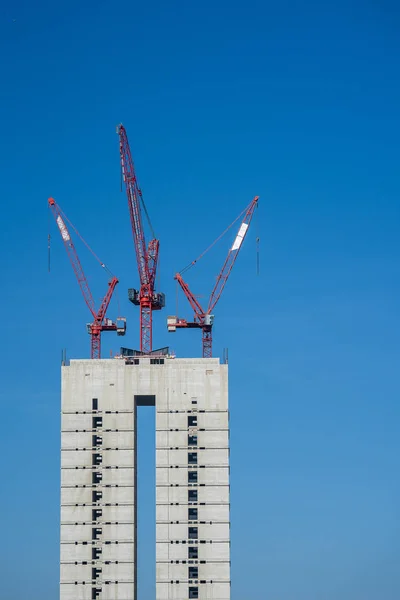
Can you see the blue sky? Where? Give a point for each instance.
(295, 102)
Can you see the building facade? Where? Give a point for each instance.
(100, 399)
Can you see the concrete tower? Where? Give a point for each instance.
(98, 477)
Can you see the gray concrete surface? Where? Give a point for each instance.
(98, 441)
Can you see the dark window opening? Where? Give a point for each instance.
(95, 404)
(192, 421)
(192, 476)
(193, 572)
(96, 440)
(156, 361)
(192, 440)
(96, 532)
(97, 459)
(96, 476)
(193, 533)
(193, 593)
(192, 458)
(97, 422)
(193, 514)
(96, 513)
(142, 400)
(193, 552)
(96, 495)
(192, 495)
(95, 573)
(96, 553)
(95, 593)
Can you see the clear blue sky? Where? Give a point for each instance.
(297, 102)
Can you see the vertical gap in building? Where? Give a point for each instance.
(145, 475)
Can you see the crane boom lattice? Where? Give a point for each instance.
(147, 258)
(100, 323)
(204, 319)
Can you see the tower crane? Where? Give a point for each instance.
(147, 258)
(100, 322)
(204, 319)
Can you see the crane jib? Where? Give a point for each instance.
(146, 258)
(204, 319)
(240, 236)
(63, 230)
(98, 325)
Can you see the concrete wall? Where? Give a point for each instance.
(98, 454)
(199, 389)
(111, 456)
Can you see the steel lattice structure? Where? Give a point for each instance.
(100, 323)
(147, 258)
(203, 319)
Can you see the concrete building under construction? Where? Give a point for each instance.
(100, 399)
(98, 477)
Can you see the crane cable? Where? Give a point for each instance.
(190, 265)
(142, 202)
(257, 241)
(48, 239)
(177, 298)
(118, 303)
(86, 244)
(147, 216)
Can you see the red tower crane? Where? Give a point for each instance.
(100, 323)
(147, 258)
(203, 319)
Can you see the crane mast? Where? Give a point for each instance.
(100, 323)
(204, 319)
(146, 257)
